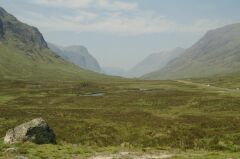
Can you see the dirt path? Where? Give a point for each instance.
(127, 155)
(210, 87)
(201, 85)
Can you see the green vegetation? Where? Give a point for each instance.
(39, 65)
(185, 118)
(132, 115)
(24, 55)
(230, 81)
(217, 53)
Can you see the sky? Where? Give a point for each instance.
(121, 33)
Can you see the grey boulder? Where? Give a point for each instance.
(36, 131)
(21, 157)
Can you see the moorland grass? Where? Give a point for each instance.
(165, 115)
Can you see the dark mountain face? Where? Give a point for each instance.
(1, 29)
(12, 29)
(2, 12)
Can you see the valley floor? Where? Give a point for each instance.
(125, 119)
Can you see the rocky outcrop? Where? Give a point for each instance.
(12, 28)
(24, 55)
(36, 131)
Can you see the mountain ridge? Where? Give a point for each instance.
(154, 62)
(24, 33)
(78, 55)
(24, 54)
(217, 52)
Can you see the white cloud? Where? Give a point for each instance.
(97, 4)
(116, 5)
(111, 16)
(117, 24)
(63, 3)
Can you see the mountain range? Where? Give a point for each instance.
(24, 54)
(154, 62)
(216, 53)
(78, 55)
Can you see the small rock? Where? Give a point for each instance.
(11, 150)
(123, 153)
(36, 131)
(21, 157)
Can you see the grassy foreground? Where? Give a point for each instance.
(69, 151)
(186, 119)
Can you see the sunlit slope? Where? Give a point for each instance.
(44, 65)
(217, 53)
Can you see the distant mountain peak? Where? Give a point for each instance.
(78, 55)
(154, 62)
(78, 49)
(24, 55)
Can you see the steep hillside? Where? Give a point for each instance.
(217, 53)
(24, 54)
(78, 55)
(154, 62)
(23, 35)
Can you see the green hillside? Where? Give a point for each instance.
(230, 81)
(24, 54)
(217, 53)
(41, 65)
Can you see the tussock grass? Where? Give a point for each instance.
(132, 114)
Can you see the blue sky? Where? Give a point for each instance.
(120, 33)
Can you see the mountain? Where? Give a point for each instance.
(217, 53)
(22, 34)
(78, 55)
(24, 54)
(114, 71)
(154, 62)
